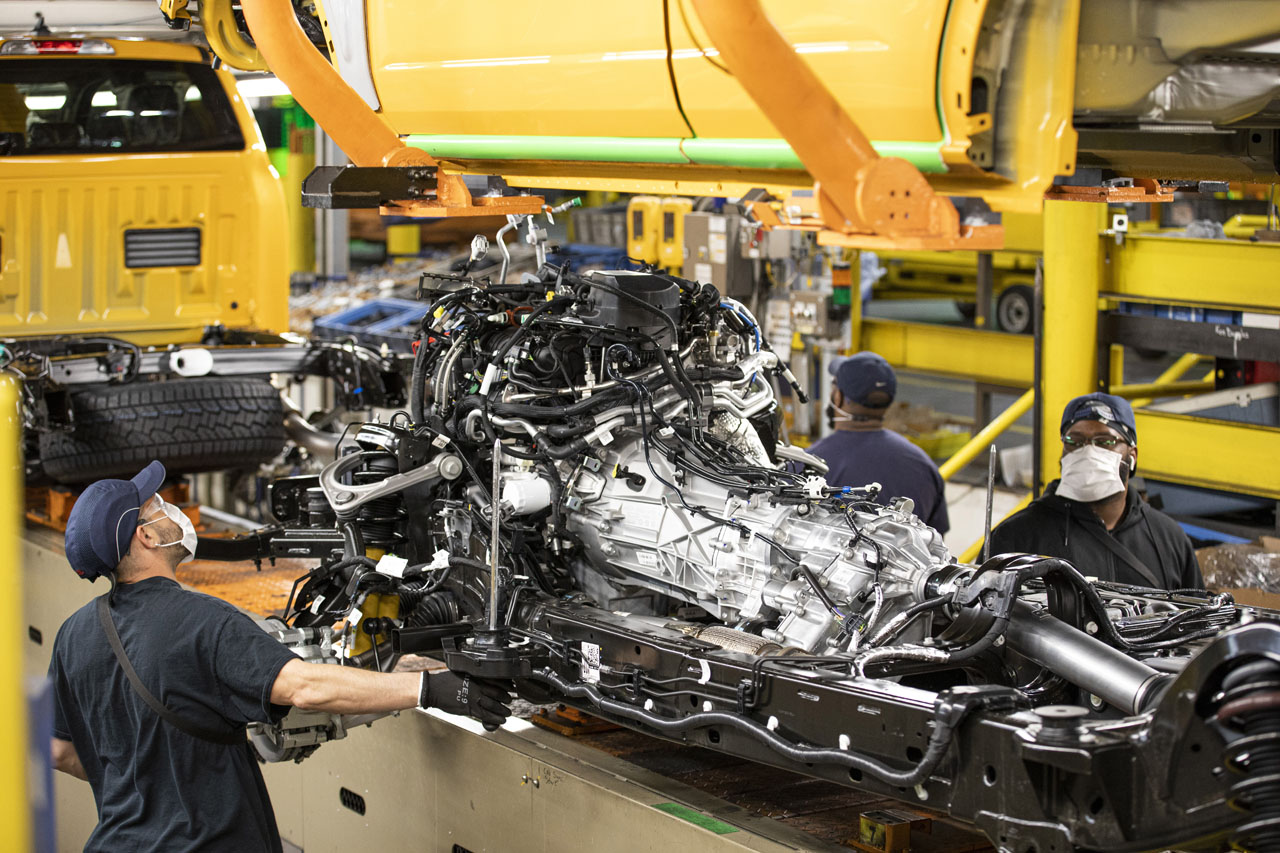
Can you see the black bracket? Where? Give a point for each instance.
(346, 187)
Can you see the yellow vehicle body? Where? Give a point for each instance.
(987, 98)
(585, 96)
(74, 224)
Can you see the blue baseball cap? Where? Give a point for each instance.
(103, 520)
(1109, 409)
(860, 375)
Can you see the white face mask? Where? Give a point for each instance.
(1091, 474)
(179, 518)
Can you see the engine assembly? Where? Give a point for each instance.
(588, 497)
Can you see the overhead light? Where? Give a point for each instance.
(261, 87)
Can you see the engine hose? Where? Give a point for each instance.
(559, 413)
(897, 624)
(939, 739)
(417, 406)
(1252, 705)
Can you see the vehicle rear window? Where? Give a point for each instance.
(115, 106)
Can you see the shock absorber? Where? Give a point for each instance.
(1251, 705)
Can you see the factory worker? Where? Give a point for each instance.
(153, 685)
(1092, 516)
(860, 450)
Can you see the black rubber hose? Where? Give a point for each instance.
(417, 405)
(939, 739)
(608, 397)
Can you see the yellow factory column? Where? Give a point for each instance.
(15, 809)
(1073, 270)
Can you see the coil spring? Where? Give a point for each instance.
(378, 518)
(1251, 704)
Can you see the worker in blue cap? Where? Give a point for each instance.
(1092, 516)
(860, 450)
(154, 684)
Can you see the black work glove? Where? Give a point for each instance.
(465, 696)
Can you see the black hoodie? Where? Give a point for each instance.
(1059, 527)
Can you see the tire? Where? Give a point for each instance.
(1014, 309)
(189, 424)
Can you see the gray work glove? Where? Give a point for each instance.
(465, 696)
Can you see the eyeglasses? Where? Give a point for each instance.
(1106, 442)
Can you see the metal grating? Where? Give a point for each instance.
(161, 247)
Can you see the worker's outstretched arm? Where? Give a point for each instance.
(349, 690)
(65, 758)
(344, 689)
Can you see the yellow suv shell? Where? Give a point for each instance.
(73, 224)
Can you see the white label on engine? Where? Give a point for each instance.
(716, 224)
(648, 559)
(591, 663)
(702, 273)
(647, 516)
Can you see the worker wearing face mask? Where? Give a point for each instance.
(1092, 516)
(860, 450)
(153, 686)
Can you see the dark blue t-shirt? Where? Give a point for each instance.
(158, 788)
(882, 456)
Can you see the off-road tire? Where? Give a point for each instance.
(188, 424)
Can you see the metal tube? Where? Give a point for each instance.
(986, 435)
(494, 513)
(1081, 659)
(991, 488)
(1142, 393)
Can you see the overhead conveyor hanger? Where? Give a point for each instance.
(362, 135)
(860, 199)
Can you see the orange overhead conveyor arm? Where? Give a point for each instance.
(320, 90)
(859, 192)
(360, 132)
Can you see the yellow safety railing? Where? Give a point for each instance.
(987, 434)
(1173, 373)
(15, 809)
(1148, 391)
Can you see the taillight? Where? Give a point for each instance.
(33, 46)
(57, 45)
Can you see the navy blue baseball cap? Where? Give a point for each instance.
(104, 518)
(860, 375)
(1109, 409)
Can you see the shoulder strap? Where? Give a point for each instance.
(178, 722)
(1118, 548)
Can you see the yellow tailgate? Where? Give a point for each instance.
(63, 222)
(148, 246)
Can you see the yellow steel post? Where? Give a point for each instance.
(855, 302)
(15, 810)
(1174, 372)
(988, 433)
(1073, 258)
(1117, 365)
